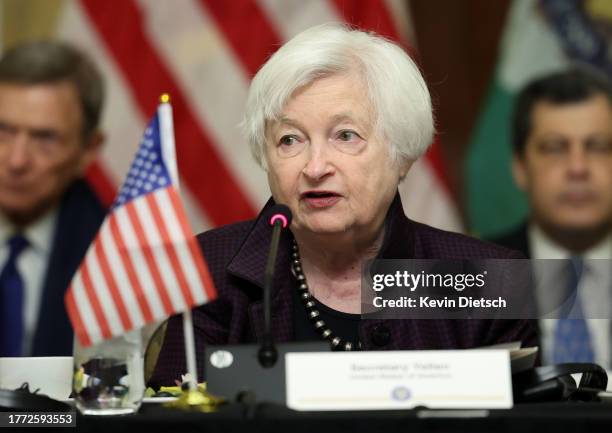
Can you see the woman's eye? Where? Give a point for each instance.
(290, 145)
(347, 135)
(288, 140)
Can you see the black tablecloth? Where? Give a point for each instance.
(540, 418)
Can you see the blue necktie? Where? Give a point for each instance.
(11, 301)
(572, 339)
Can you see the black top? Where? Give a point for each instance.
(344, 325)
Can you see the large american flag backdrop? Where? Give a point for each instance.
(204, 53)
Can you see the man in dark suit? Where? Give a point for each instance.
(562, 138)
(51, 97)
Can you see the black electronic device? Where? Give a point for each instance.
(555, 383)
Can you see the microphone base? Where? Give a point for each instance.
(267, 355)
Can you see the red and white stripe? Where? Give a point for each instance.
(143, 266)
(203, 52)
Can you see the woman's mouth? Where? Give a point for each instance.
(320, 199)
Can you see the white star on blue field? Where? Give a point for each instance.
(148, 171)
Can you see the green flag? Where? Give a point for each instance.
(529, 48)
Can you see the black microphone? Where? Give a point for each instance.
(280, 218)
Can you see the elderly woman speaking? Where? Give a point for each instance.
(336, 118)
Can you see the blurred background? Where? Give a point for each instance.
(475, 54)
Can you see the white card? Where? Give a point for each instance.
(461, 379)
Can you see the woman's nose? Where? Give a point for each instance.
(318, 164)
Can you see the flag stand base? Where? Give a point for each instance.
(197, 401)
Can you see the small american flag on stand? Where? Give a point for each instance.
(144, 264)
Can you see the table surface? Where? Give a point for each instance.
(540, 418)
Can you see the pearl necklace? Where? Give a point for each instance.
(314, 315)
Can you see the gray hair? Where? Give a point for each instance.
(395, 86)
(43, 62)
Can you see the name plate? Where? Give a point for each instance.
(454, 379)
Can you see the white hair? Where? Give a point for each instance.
(396, 89)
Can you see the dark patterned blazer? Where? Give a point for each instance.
(236, 256)
(79, 218)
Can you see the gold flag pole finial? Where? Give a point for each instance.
(164, 98)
